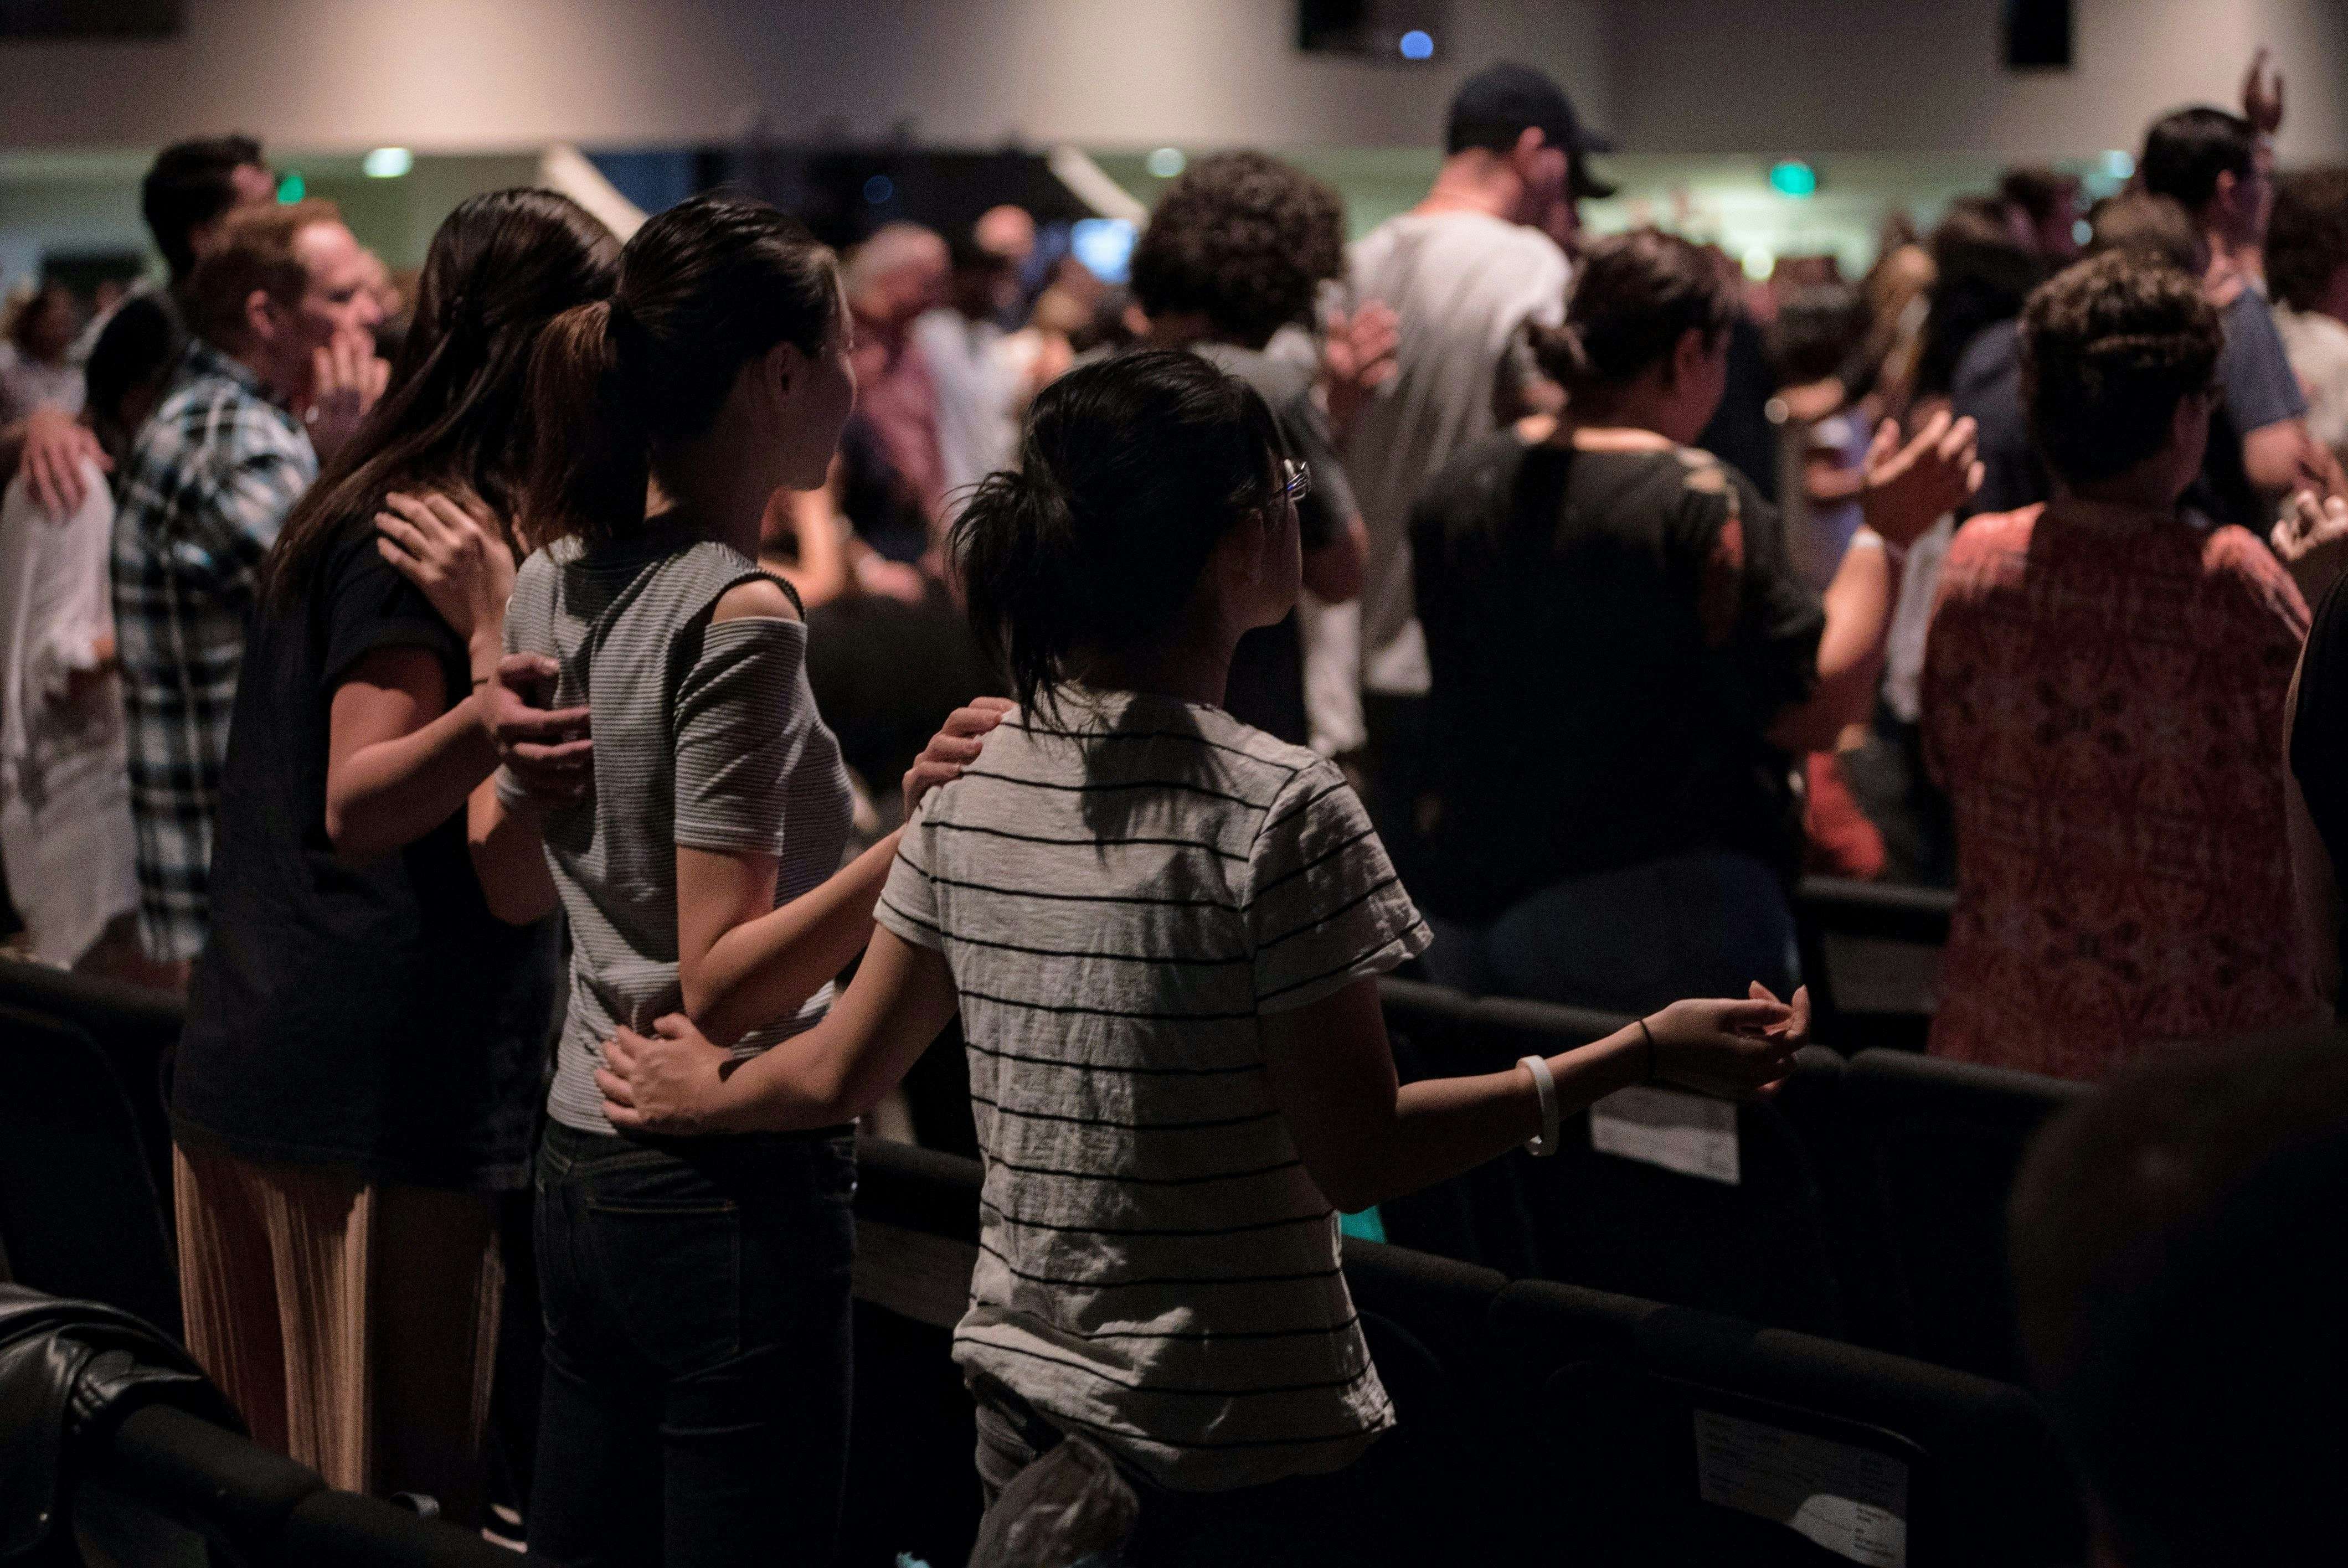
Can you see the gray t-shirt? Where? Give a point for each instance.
(1463, 285)
(1123, 887)
(706, 736)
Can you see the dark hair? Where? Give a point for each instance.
(1634, 295)
(704, 287)
(1982, 271)
(20, 325)
(1245, 240)
(190, 184)
(135, 350)
(2307, 238)
(2179, 1269)
(2109, 349)
(255, 251)
(2039, 194)
(2185, 152)
(1816, 330)
(2147, 225)
(500, 267)
(1130, 470)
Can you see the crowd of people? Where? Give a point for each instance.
(507, 712)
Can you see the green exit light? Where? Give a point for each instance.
(1792, 178)
(293, 188)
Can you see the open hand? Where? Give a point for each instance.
(547, 752)
(953, 748)
(2312, 538)
(673, 1082)
(1727, 1048)
(1907, 489)
(456, 553)
(55, 447)
(345, 378)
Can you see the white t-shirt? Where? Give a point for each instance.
(1463, 285)
(2317, 346)
(977, 376)
(1124, 887)
(65, 774)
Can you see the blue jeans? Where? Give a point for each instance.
(1703, 923)
(697, 1299)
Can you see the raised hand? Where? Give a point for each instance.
(456, 554)
(55, 447)
(1357, 357)
(1906, 489)
(2312, 539)
(549, 753)
(953, 748)
(345, 379)
(2263, 95)
(1730, 1048)
(673, 1082)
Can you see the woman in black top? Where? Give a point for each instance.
(366, 1039)
(1626, 666)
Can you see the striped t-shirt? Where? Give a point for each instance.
(706, 735)
(1123, 886)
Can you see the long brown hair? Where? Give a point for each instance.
(501, 267)
(704, 287)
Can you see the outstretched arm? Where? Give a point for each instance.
(676, 1081)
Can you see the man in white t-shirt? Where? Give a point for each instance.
(1464, 271)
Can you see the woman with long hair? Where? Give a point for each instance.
(1162, 930)
(697, 1292)
(359, 1075)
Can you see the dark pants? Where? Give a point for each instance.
(697, 1396)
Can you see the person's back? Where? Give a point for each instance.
(630, 624)
(1120, 884)
(1462, 285)
(2106, 715)
(1583, 575)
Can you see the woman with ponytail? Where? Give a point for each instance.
(1163, 931)
(358, 1082)
(1629, 834)
(696, 1291)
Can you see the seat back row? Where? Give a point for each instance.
(1538, 1421)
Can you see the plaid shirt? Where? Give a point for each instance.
(212, 478)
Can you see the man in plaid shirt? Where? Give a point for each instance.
(282, 316)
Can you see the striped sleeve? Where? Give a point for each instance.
(742, 722)
(1324, 905)
(909, 902)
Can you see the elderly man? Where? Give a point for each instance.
(280, 369)
(892, 279)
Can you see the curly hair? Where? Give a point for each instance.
(2307, 239)
(2110, 348)
(1245, 240)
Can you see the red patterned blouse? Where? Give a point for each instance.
(2102, 701)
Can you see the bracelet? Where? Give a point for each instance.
(1543, 1143)
(1651, 1049)
(481, 681)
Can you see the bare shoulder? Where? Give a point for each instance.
(756, 598)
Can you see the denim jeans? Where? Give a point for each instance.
(696, 1301)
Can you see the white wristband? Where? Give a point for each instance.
(1542, 1144)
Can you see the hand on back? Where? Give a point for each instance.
(953, 748)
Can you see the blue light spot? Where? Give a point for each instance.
(878, 188)
(1418, 45)
(1792, 178)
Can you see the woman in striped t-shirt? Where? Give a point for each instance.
(1162, 929)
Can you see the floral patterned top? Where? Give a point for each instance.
(2102, 701)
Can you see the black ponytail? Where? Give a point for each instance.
(1130, 472)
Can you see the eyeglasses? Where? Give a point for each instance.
(1296, 479)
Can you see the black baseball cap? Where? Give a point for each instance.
(1500, 103)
